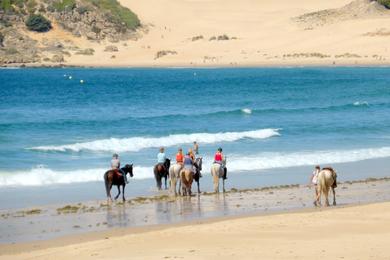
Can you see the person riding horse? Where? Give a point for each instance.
(220, 159)
(161, 170)
(116, 165)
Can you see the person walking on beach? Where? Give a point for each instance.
(220, 159)
(116, 165)
(196, 148)
(314, 180)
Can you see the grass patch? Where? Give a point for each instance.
(118, 13)
(68, 209)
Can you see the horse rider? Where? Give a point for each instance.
(220, 159)
(188, 163)
(161, 157)
(180, 157)
(314, 179)
(196, 148)
(116, 165)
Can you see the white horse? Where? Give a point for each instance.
(174, 176)
(217, 171)
(327, 179)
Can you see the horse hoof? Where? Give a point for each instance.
(334, 203)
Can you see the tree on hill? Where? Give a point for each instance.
(38, 23)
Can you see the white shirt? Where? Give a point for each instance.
(315, 176)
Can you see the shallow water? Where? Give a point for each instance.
(18, 226)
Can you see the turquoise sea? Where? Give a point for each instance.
(57, 135)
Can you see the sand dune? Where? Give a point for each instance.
(261, 32)
(360, 232)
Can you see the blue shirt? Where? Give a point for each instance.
(161, 158)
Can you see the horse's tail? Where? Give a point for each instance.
(106, 184)
(322, 183)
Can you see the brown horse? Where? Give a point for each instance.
(111, 177)
(186, 178)
(162, 171)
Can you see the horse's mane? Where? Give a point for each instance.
(328, 168)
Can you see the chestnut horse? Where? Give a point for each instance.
(111, 177)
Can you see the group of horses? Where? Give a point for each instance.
(177, 174)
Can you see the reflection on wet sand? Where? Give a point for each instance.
(54, 221)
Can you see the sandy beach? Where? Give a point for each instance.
(272, 222)
(218, 33)
(358, 232)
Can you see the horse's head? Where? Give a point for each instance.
(129, 169)
(198, 162)
(167, 163)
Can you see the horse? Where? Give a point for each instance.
(162, 171)
(218, 171)
(198, 169)
(111, 177)
(174, 176)
(327, 178)
(186, 178)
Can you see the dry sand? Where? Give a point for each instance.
(264, 32)
(359, 232)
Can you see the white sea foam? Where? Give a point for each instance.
(41, 176)
(360, 103)
(246, 111)
(134, 144)
(236, 163)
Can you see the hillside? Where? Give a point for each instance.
(38, 31)
(210, 33)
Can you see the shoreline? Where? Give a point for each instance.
(16, 248)
(205, 66)
(59, 246)
(85, 221)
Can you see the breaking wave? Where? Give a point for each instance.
(40, 176)
(134, 144)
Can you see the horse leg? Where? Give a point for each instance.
(223, 185)
(109, 192)
(327, 197)
(119, 192)
(198, 183)
(216, 183)
(165, 179)
(123, 193)
(334, 197)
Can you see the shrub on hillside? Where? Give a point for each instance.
(385, 3)
(38, 23)
(1, 40)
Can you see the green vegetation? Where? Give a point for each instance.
(5, 5)
(38, 23)
(1, 39)
(117, 13)
(64, 5)
(385, 3)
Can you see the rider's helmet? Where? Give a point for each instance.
(115, 155)
(219, 149)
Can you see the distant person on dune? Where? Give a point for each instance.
(116, 165)
(196, 148)
(219, 158)
(314, 179)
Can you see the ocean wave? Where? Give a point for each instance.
(134, 144)
(41, 176)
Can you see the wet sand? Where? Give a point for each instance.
(41, 227)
